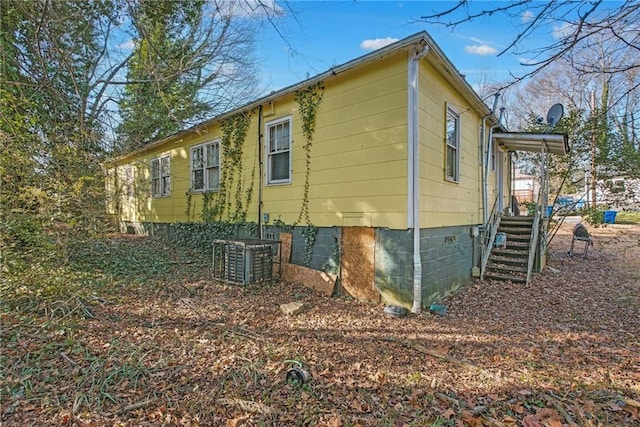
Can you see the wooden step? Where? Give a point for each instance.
(511, 252)
(514, 230)
(513, 261)
(505, 277)
(516, 223)
(523, 218)
(519, 237)
(506, 268)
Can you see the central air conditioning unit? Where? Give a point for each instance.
(245, 261)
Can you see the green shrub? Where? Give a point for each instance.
(593, 216)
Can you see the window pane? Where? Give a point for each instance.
(155, 187)
(272, 140)
(164, 166)
(198, 180)
(451, 163)
(196, 158)
(155, 168)
(166, 181)
(280, 166)
(213, 155)
(279, 137)
(213, 175)
(452, 130)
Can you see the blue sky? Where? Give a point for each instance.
(319, 35)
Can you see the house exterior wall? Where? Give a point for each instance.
(359, 153)
(447, 257)
(358, 160)
(358, 172)
(445, 203)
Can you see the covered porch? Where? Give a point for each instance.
(515, 245)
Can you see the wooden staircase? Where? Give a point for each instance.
(511, 262)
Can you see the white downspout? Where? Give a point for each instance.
(487, 159)
(488, 163)
(413, 140)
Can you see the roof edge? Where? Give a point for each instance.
(407, 42)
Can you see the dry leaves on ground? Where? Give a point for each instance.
(564, 350)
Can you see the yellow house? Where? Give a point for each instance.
(391, 160)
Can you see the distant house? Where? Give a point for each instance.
(525, 187)
(616, 192)
(405, 166)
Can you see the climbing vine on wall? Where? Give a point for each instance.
(231, 196)
(187, 209)
(308, 101)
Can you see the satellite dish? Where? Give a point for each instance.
(555, 114)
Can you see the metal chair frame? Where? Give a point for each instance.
(581, 234)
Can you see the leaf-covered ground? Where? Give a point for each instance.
(143, 337)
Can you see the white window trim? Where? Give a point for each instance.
(456, 177)
(164, 191)
(267, 125)
(205, 172)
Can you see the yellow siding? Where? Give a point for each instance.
(359, 157)
(445, 203)
(358, 169)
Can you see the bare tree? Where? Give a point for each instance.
(579, 25)
(592, 66)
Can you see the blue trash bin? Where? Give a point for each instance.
(610, 217)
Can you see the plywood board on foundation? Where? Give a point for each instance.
(314, 279)
(285, 247)
(357, 263)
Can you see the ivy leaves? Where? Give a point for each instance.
(308, 101)
(234, 132)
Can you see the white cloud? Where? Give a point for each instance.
(480, 49)
(128, 45)
(527, 16)
(562, 31)
(477, 40)
(373, 44)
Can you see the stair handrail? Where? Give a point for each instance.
(491, 228)
(533, 243)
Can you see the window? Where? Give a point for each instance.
(160, 177)
(279, 151)
(452, 156)
(205, 167)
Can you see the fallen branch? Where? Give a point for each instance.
(494, 422)
(243, 332)
(445, 398)
(441, 356)
(134, 406)
(68, 359)
(560, 409)
(247, 405)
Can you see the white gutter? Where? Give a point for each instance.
(413, 178)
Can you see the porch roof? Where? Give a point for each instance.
(556, 143)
